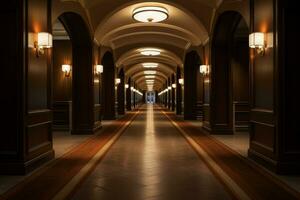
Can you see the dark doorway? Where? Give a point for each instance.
(61, 81)
(191, 66)
(230, 75)
(82, 73)
(108, 89)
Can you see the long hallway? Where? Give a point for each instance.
(151, 160)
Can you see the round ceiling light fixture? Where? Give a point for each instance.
(150, 52)
(150, 14)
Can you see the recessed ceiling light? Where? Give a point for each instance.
(150, 52)
(150, 72)
(151, 76)
(150, 65)
(150, 14)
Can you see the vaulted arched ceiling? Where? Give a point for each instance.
(114, 27)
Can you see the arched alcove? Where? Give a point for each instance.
(191, 66)
(82, 73)
(230, 74)
(108, 89)
(121, 93)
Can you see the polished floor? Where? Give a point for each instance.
(151, 160)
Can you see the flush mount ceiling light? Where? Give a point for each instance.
(150, 14)
(150, 72)
(149, 77)
(150, 65)
(150, 52)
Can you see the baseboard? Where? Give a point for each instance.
(23, 168)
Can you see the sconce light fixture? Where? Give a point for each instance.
(204, 69)
(174, 85)
(66, 69)
(41, 41)
(257, 41)
(117, 81)
(99, 69)
(126, 86)
(181, 81)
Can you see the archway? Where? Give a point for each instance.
(61, 81)
(108, 89)
(128, 95)
(191, 66)
(230, 74)
(82, 73)
(121, 93)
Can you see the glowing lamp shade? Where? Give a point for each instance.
(118, 81)
(44, 40)
(150, 14)
(174, 85)
(150, 76)
(169, 88)
(126, 86)
(99, 69)
(180, 81)
(150, 65)
(150, 52)
(150, 72)
(204, 69)
(66, 69)
(257, 40)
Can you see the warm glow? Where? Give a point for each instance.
(204, 69)
(181, 81)
(150, 14)
(99, 69)
(174, 85)
(150, 72)
(150, 65)
(118, 81)
(150, 52)
(169, 88)
(44, 40)
(257, 40)
(66, 69)
(126, 86)
(149, 77)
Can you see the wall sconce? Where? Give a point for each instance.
(117, 81)
(40, 41)
(181, 81)
(99, 69)
(257, 41)
(66, 69)
(174, 85)
(204, 69)
(126, 86)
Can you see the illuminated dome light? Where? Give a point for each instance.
(150, 65)
(150, 14)
(150, 52)
(150, 76)
(150, 72)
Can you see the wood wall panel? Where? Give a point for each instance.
(262, 124)
(62, 86)
(30, 143)
(12, 71)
